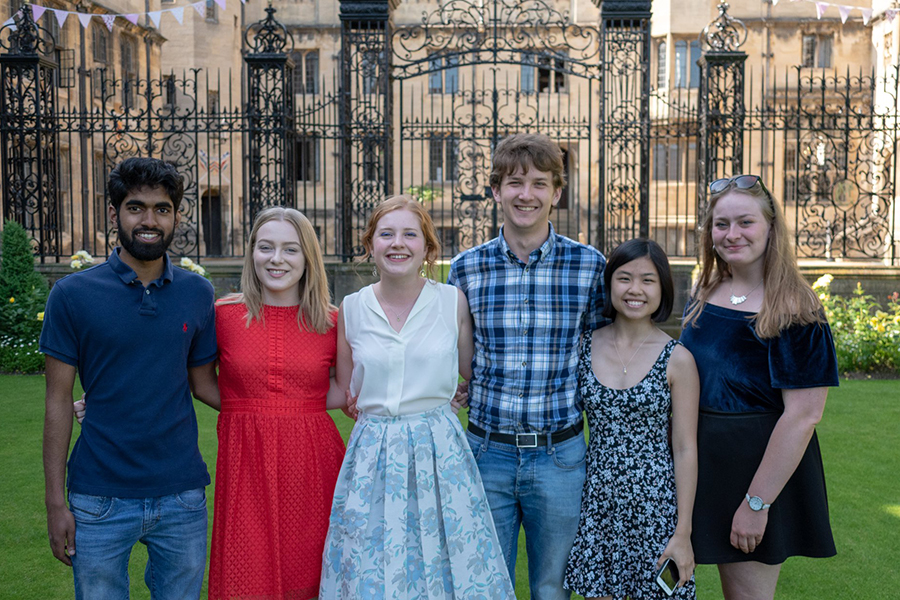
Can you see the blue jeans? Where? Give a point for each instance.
(172, 527)
(540, 489)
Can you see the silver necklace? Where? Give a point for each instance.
(391, 308)
(741, 299)
(624, 364)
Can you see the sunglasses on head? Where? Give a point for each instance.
(741, 182)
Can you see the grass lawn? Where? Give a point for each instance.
(860, 438)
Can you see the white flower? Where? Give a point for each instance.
(186, 263)
(823, 282)
(76, 264)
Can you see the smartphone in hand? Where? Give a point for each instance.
(667, 577)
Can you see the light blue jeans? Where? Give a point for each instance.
(106, 529)
(540, 489)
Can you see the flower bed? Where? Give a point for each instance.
(866, 332)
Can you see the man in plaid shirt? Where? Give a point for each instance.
(532, 293)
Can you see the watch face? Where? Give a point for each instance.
(756, 503)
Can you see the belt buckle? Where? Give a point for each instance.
(521, 444)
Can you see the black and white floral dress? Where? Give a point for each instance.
(628, 507)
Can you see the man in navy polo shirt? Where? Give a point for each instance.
(141, 336)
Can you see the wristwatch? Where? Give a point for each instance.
(756, 503)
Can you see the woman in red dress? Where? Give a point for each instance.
(279, 451)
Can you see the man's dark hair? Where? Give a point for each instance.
(633, 250)
(135, 173)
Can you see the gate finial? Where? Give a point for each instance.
(730, 33)
(270, 36)
(25, 35)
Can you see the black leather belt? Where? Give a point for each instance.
(529, 440)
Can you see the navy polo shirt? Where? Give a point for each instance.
(132, 347)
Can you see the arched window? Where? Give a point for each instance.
(100, 44)
(128, 48)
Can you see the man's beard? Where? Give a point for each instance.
(141, 250)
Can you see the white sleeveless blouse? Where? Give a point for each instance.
(405, 372)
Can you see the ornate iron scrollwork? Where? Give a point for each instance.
(268, 36)
(480, 50)
(501, 31)
(26, 38)
(725, 33)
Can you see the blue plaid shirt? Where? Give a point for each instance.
(528, 319)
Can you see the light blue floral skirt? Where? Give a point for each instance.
(410, 519)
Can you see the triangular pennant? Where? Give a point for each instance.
(132, 18)
(845, 12)
(774, 2)
(820, 9)
(200, 7)
(890, 14)
(154, 16)
(85, 19)
(109, 20)
(37, 11)
(221, 4)
(178, 13)
(866, 15)
(61, 16)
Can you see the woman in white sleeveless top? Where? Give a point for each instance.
(410, 518)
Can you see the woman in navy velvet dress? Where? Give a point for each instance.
(766, 358)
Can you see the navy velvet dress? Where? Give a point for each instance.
(741, 379)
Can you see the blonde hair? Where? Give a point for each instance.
(316, 310)
(788, 298)
(412, 204)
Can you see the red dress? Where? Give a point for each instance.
(279, 456)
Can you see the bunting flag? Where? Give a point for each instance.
(845, 12)
(109, 18)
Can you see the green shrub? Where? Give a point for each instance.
(866, 334)
(23, 296)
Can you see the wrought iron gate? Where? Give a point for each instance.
(421, 107)
(474, 72)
